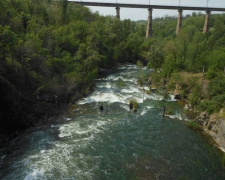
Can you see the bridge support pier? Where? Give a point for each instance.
(179, 21)
(149, 31)
(207, 25)
(118, 12)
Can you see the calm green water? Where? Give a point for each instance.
(114, 145)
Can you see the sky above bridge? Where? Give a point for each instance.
(142, 14)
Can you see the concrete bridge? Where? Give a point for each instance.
(149, 31)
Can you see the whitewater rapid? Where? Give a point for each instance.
(116, 144)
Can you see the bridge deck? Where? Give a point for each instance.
(147, 6)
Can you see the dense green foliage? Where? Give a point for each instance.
(191, 51)
(55, 48)
(58, 48)
(216, 98)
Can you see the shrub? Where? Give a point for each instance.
(156, 78)
(211, 74)
(195, 95)
(194, 126)
(217, 86)
(168, 67)
(140, 64)
(171, 85)
(177, 78)
(216, 96)
(135, 104)
(209, 106)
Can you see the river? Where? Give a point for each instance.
(116, 144)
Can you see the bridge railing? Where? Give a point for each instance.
(190, 3)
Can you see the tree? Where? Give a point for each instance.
(216, 59)
(182, 44)
(88, 60)
(154, 53)
(8, 41)
(171, 49)
(64, 4)
(195, 48)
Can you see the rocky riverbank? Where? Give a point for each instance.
(193, 89)
(214, 125)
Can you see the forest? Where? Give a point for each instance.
(53, 50)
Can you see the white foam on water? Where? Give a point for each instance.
(128, 91)
(63, 156)
(146, 110)
(130, 80)
(74, 129)
(64, 132)
(156, 97)
(110, 97)
(54, 126)
(128, 67)
(176, 116)
(61, 162)
(36, 175)
(131, 90)
(68, 119)
(150, 107)
(122, 67)
(125, 106)
(64, 159)
(131, 67)
(116, 78)
(105, 85)
(112, 78)
(146, 88)
(172, 98)
(43, 151)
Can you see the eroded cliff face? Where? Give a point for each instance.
(214, 125)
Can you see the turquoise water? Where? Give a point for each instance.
(116, 144)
